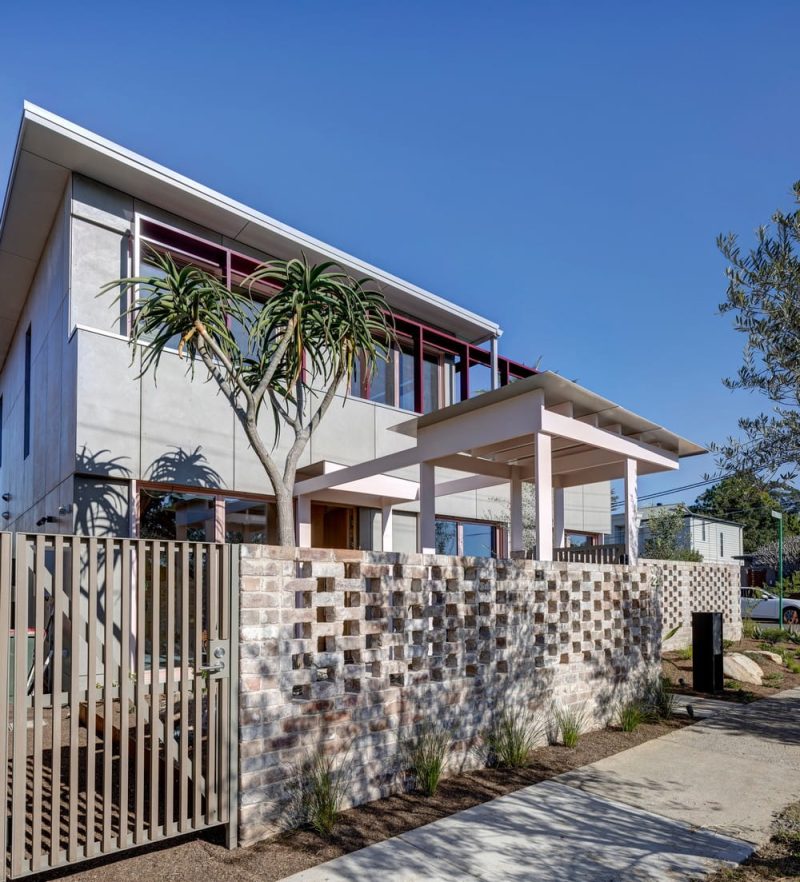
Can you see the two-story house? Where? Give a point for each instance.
(89, 446)
(717, 540)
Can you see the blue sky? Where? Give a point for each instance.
(563, 168)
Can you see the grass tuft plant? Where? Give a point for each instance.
(659, 699)
(321, 785)
(631, 715)
(569, 723)
(685, 653)
(426, 754)
(512, 739)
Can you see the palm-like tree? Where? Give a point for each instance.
(297, 347)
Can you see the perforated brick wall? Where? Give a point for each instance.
(697, 587)
(350, 651)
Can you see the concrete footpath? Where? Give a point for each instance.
(676, 807)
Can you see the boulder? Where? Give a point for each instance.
(764, 653)
(739, 667)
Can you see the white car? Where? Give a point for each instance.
(762, 606)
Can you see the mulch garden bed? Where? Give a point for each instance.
(678, 669)
(203, 859)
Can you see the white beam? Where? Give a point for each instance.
(559, 520)
(427, 508)
(631, 512)
(555, 424)
(303, 521)
(389, 463)
(516, 534)
(460, 462)
(464, 485)
(601, 473)
(544, 497)
(386, 526)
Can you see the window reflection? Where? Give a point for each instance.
(170, 515)
(252, 522)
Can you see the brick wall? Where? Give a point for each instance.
(350, 651)
(697, 587)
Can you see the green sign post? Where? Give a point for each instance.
(779, 516)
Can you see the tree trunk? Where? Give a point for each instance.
(285, 506)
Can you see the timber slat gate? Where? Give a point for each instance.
(117, 705)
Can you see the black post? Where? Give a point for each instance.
(707, 652)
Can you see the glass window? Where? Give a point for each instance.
(446, 537)
(478, 540)
(377, 387)
(431, 382)
(406, 398)
(170, 515)
(251, 521)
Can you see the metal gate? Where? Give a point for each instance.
(117, 703)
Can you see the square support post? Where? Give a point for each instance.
(386, 526)
(303, 521)
(559, 540)
(544, 496)
(631, 512)
(516, 541)
(427, 508)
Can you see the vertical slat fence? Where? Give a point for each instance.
(118, 736)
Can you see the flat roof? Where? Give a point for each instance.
(558, 390)
(50, 147)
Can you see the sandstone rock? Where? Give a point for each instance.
(772, 656)
(739, 667)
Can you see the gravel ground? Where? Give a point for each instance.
(206, 859)
(777, 861)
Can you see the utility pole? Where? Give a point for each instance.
(779, 517)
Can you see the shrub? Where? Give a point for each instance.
(569, 723)
(631, 715)
(321, 787)
(512, 738)
(426, 754)
(659, 700)
(772, 635)
(748, 627)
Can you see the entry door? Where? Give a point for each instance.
(334, 526)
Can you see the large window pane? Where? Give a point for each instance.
(406, 380)
(478, 540)
(168, 515)
(446, 537)
(430, 383)
(249, 521)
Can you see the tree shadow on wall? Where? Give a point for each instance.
(101, 494)
(187, 467)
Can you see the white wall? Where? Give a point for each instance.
(42, 482)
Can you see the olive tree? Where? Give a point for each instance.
(289, 352)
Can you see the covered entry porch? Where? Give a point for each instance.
(544, 430)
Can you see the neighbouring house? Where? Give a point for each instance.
(717, 540)
(89, 447)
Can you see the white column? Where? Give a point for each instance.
(631, 512)
(386, 526)
(303, 518)
(544, 496)
(427, 508)
(495, 367)
(515, 539)
(559, 525)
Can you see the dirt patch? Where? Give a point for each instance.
(678, 668)
(203, 859)
(779, 859)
